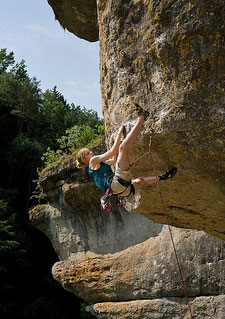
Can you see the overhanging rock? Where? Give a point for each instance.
(78, 17)
(168, 56)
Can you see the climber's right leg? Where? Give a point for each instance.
(123, 157)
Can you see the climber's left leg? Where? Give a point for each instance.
(141, 180)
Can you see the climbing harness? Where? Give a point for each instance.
(121, 201)
(167, 221)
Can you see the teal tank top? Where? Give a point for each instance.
(100, 175)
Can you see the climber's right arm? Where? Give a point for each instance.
(97, 159)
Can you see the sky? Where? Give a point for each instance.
(53, 55)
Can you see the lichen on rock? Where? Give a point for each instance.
(169, 57)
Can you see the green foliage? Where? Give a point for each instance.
(53, 111)
(76, 137)
(51, 156)
(23, 150)
(84, 313)
(20, 72)
(101, 128)
(10, 239)
(5, 60)
(8, 243)
(35, 127)
(38, 193)
(58, 117)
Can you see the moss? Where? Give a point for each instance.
(50, 167)
(66, 159)
(37, 210)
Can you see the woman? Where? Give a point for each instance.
(118, 183)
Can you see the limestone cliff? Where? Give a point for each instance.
(120, 262)
(168, 56)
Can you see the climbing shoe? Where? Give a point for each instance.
(139, 110)
(168, 174)
(105, 201)
(121, 201)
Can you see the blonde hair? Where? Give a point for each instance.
(81, 163)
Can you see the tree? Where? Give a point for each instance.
(5, 60)
(30, 122)
(53, 110)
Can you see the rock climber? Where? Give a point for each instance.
(118, 183)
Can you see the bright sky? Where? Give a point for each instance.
(54, 56)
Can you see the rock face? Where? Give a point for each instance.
(122, 263)
(78, 17)
(203, 307)
(169, 57)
